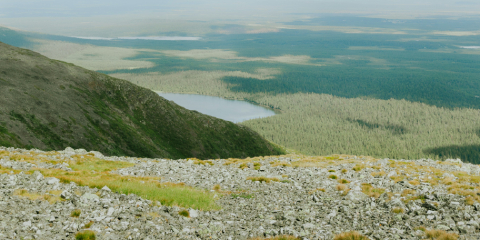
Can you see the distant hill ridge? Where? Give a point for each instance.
(48, 104)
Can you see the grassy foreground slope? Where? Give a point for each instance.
(48, 104)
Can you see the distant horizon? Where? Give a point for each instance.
(109, 18)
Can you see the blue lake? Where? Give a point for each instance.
(230, 110)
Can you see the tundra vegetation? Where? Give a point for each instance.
(154, 182)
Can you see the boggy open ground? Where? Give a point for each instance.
(64, 194)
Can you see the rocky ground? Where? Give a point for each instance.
(312, 198)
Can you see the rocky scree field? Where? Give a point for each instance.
(75, 194)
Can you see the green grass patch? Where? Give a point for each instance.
(85, 235)
(146, 187)
(94, 164)
(76, 213)
(184, 213)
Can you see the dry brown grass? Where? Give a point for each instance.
(407, 192)
(398, 178)
(414, 182)
(201, 162)
(358, 167)
(243, 166)
(52, 197)
(470, 200)
(378, 174)
(440, 235)
(398, 210)
(283, 237)
(263, 179)
(316, 190)
(369, 190)
(324, 161)
(343, 188)
(350, 236)
(283, 164)
(421, 228)
(466, 190)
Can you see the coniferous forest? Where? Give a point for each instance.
(412, 94)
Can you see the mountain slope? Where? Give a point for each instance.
(48, 104)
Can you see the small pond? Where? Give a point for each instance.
(230, 110)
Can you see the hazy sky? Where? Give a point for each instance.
(82, 8)
(66, 16)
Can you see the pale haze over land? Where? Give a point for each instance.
(90, 17)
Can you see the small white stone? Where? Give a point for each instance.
(52, 181)
(110, 211)
(392, 174)
(193, 213)
(105, 188)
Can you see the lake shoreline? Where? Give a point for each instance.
(245, 109)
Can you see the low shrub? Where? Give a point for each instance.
(316, 190)
(343, 181)
(184, 213)
(414, 182)
(76, 213)
(398, 210)
(283, 237)
(378, 174)
(89, 224)
(350, 236)
(263, 179)
(358, 167)
(440, 235)
(85, 235)
(369, 190)
(342, 187)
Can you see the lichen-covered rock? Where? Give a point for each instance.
(303, 202)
